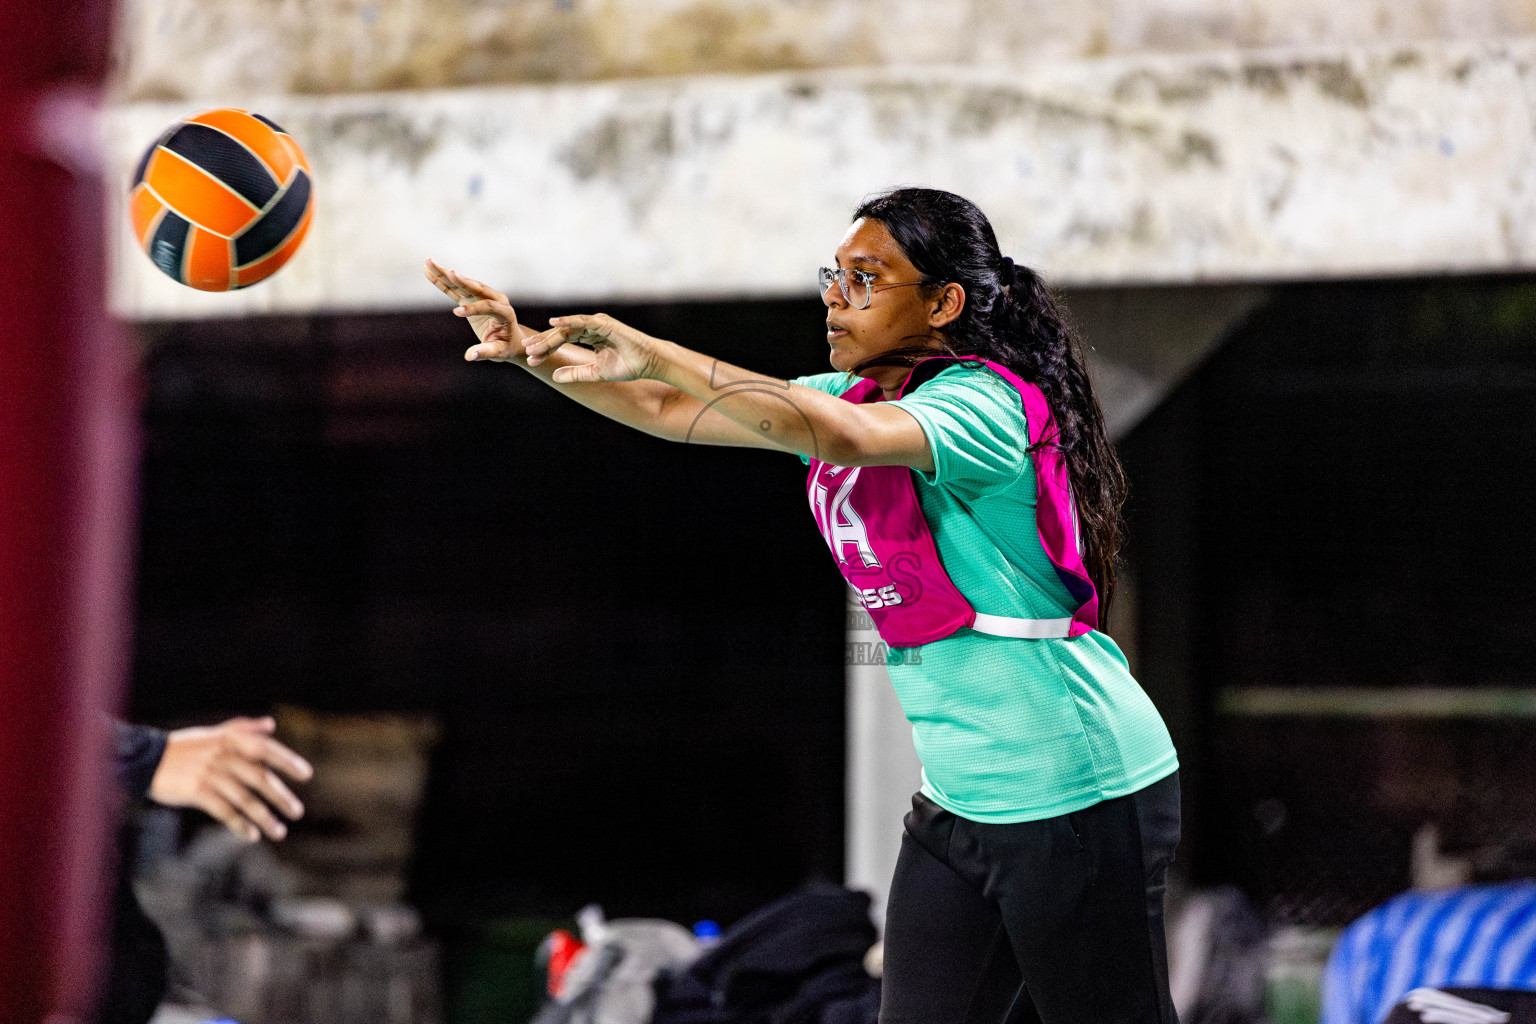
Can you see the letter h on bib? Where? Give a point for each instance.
(840, 525)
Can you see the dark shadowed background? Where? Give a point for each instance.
(635, 647)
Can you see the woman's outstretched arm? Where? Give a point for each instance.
(651, 406)
(785, 415)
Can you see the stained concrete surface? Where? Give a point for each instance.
(1207, 168)
(194, 49)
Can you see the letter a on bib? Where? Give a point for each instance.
(873, 523)
(841, 527)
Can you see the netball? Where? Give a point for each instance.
(221, 200)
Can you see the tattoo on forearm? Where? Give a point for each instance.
(717, 384)
(745, 384)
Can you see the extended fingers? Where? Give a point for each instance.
(585, 373)
(224, 812)
(257, 748)
(262, 781)
(265, 724)
(600, 324)
(491, 351)
(258, 817)
(484, 307)
(474, 287)
(458, 287)
(287, 762)
(248, 786)
(435, 273)
(539, 346)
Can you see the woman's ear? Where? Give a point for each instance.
(947, 305)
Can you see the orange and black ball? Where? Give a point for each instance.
(222, 199)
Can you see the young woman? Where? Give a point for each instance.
(962, 477)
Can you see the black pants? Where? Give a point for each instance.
(1058, 921)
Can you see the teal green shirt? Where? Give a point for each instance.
(1009, 730)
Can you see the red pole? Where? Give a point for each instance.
(67, 451)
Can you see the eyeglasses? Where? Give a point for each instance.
(857, 286)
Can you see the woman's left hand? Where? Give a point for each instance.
(621, 352)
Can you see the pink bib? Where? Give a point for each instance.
(871, 519)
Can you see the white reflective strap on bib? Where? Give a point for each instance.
(1023, 629)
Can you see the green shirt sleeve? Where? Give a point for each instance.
(831, 383)
(975, 424)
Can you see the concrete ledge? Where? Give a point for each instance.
(1249, 166)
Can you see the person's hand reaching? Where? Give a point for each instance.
(233, 772)
(494, 320)
(620, 351)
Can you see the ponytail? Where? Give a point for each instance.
(1011, 317)
(1047, 353)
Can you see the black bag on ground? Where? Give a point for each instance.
(799, 960)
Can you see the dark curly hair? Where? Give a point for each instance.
(1011, 317)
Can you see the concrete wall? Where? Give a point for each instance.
(193, 49)
(1215, 167)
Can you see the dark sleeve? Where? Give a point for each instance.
(136, 753)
